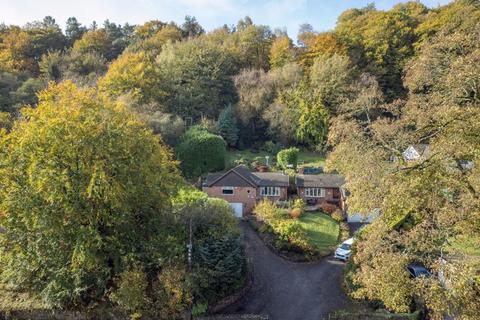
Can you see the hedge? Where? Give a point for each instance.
(200, 151)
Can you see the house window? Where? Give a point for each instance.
(270, 191)
(315, 192)
(227, 190)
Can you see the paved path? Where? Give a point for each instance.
(285, 290)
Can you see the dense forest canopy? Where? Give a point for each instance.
(361, 93)
(180, 70)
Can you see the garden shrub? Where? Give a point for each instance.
(338, 215)
(344, 231)
(291, 231)
(131, 293)
(200, 151)
(170, 292)
(286, 229)
(295, 213)
(266, 211)
(288, 158)
(298, 208)
(300, 204)
(328, 208)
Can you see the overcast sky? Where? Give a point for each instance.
(289, 14)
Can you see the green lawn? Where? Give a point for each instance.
(321, 229)
(304, 158)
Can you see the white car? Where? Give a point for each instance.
(344, 251)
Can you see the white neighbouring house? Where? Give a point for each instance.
(415, 152)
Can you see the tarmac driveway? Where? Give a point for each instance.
(285, 290)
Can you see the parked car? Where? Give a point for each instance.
(417, 270)
(344, 251)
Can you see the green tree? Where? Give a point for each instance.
(222, 263)
(252, 45)
(27, 93)
(8, 83)
(227, 125)
(85, 193)
(191, 28)
(196, 77)
(168, 126)
(74, 30)
(331, 78)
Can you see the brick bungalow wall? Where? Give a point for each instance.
(249, 196)
(329, 192)
(282, 197)
(245, 195)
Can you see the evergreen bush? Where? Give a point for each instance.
(200, 151)
(288, 158)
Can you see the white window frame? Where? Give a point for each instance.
(228, 188)
(315, 192)
(270, 191)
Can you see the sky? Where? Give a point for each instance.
(283, 14)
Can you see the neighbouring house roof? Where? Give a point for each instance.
(211, 177)
(271, 179)
(325, 180)
(415, 151)
(241, 176)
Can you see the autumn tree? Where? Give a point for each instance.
(134, 74)
(96, 41)
(85, 189)
(322, 44)
(281, 52)
(429, 207)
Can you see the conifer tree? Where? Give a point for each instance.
(227, 125)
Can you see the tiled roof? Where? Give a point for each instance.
(272, 179)
(320, 180)
(421, 148)
(259, 179)
(212, 177)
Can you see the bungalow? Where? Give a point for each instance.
(243, 189)
(316, 189)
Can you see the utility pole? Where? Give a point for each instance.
(189, 257)
(190, 245)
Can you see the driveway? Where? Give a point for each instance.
(285, 290)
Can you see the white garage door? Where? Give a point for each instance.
(237, 208)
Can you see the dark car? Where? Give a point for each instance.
(417, 270)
